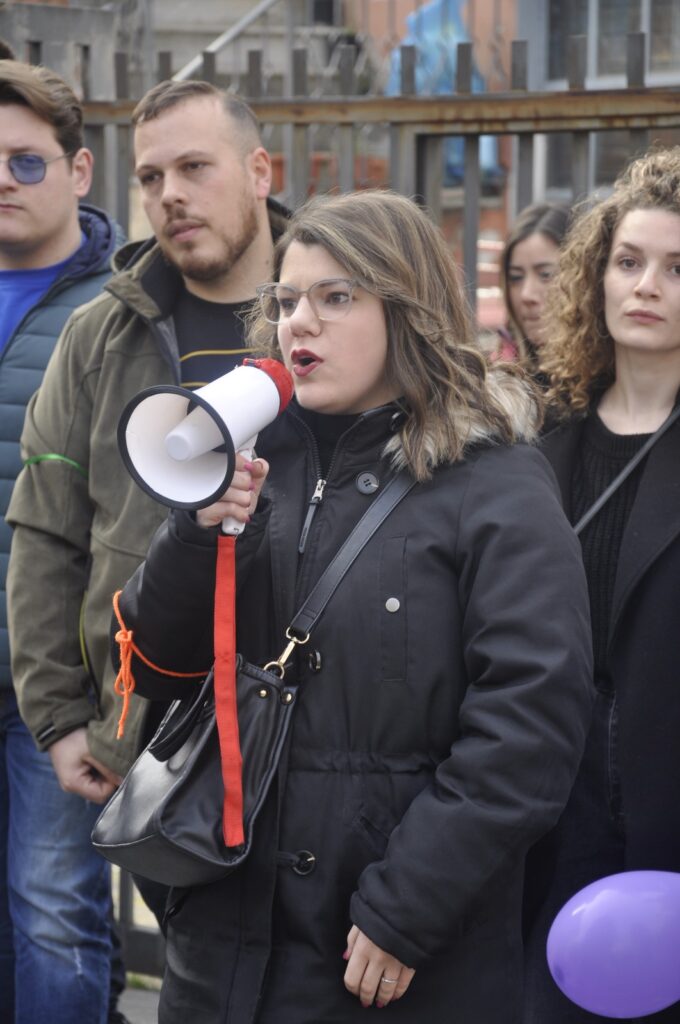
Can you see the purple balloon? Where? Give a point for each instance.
(614, 948)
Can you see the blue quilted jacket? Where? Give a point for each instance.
(23, 362)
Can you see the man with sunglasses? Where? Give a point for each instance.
(54, 256)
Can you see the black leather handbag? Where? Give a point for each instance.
(164, 822)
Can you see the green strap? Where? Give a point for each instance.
(53, 457)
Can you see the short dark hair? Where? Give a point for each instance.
(49, 97)
(6, 51)
(171, 93)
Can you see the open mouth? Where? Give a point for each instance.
(304, 362)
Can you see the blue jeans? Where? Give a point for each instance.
(54, 887)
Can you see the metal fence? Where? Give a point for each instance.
(410, 129)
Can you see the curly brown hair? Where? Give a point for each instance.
(578, 356)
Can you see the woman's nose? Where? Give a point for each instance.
(529, 291)
(303, 319)
(648, 283)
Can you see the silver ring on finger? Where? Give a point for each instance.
(388, 981)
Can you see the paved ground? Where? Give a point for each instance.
(140, 1006)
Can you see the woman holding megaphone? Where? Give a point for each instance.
(444, 696)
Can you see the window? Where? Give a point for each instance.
(664, 36)
(616, 19)
(564, 20)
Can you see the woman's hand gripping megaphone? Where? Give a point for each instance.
(193, 449)
(239, 501)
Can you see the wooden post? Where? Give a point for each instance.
(254, 78)
(164, 66)
(402, 137)
(209, 69)
(580, 141)
(345, 133)
(121, 140)
(635, 79)
(524, 191)
(298, 180)
(471, 180)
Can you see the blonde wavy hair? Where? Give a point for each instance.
(578, 357)
(450, 396)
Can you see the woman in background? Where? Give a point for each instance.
(528, 265)
(613, 359)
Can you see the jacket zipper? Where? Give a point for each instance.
(314, 503)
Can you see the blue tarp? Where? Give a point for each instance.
(435, 30)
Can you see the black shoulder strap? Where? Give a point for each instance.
(626, 471)
(308, 615)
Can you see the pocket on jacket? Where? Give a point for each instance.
(373, 836)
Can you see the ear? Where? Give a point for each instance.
(260, 165)
(81, 170)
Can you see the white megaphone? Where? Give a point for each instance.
(180, 446)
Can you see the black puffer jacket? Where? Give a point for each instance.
(434, 744)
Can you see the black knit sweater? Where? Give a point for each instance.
(601, 457)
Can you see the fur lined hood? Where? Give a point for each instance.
(513, 395)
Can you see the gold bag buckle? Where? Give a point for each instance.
(279, 666)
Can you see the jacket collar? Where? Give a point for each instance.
(560, 446)
(654, 520)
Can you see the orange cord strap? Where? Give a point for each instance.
(125, 681)
(225, 691)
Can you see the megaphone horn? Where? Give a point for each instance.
(180, 446)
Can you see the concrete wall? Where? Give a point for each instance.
(77, 42)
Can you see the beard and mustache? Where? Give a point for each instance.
(197, 266)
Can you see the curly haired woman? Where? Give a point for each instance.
(613, 360)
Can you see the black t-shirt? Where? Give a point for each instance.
(210, 341)
(210, 337)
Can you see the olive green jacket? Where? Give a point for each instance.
(81, 524)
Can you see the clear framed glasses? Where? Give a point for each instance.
(30, 168)
(330, 299)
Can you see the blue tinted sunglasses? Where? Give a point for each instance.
(29, 168)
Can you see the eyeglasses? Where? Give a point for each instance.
(29, 168)
(330, 299)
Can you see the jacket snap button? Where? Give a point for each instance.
(314, 661)
(392, 604)
(367, 483)
(305, 863)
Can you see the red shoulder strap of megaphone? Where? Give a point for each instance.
(225, 690)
